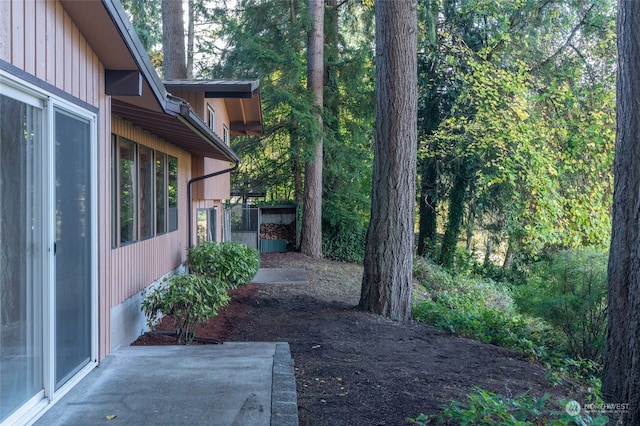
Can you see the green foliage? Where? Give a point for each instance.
(569, 291)
(464, 292)
(193, 298)
(189, 299)
(484, 407)
(344, 244)
(227, 264)
(503, 91)
(485, 310)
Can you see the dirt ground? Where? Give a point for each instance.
(356, 368)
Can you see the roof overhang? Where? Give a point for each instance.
(106, 27)
(186, 127)
(241, 97)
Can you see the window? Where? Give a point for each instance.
(212, 118)
(206, 221)
(114, 192)
(225, 135)
(172, 193)
(147, 173)
(144, 192)
(48, 245)
(128, 191)
(161, 193)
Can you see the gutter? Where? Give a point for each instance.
(190, 201)
(190, 118)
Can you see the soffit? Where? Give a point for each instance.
(113, 43)
(175, 130)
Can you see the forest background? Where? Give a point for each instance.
(516, 117)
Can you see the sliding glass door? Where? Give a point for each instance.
(21, 253)
(73, 225)
(47, 247)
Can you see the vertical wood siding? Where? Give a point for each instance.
(41, 39)
(136, 265)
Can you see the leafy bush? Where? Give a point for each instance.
(461, 292)
(569, 292)
(484, 310)
(344, 244)
(486, 408)
(227, 264)
(192, 299)
(189, 299)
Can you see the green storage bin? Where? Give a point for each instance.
(269, 246)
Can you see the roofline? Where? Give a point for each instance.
(170, 105)
(193, 120)
(138, 53)
(219, 88)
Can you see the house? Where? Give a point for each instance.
(105, 174)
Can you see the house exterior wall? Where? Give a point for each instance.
(41, 47)
(43, 42)
(217, 188)
(134, 266)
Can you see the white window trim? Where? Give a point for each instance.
(212, 118)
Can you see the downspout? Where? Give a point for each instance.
(190, 201)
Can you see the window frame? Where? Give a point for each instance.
(162, 210)
(225, 134)
(212, 118)
(146, 208)
(135, 228)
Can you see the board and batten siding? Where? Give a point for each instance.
(40, 38)
(135, 265)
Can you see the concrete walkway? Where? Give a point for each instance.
(232, 384)
(280, 276)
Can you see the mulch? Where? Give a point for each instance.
(357, 368)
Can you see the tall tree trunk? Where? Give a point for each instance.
(311, 242)
(511, 250)
(388, 261)
(454, 222)
(174, 64)
(331, 55)
(190, 37)
(621, 375)
(488, 250)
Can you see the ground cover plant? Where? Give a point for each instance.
(541, 319)
(489, 408)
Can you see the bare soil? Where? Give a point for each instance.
(356, 368)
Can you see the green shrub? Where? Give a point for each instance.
(569, 292)
(189, 299)
(227, 264)
(344, 244)
(460, 291)
(484, 310)
(484, 408)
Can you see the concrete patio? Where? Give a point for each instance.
(231, 384)
(248, 384)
